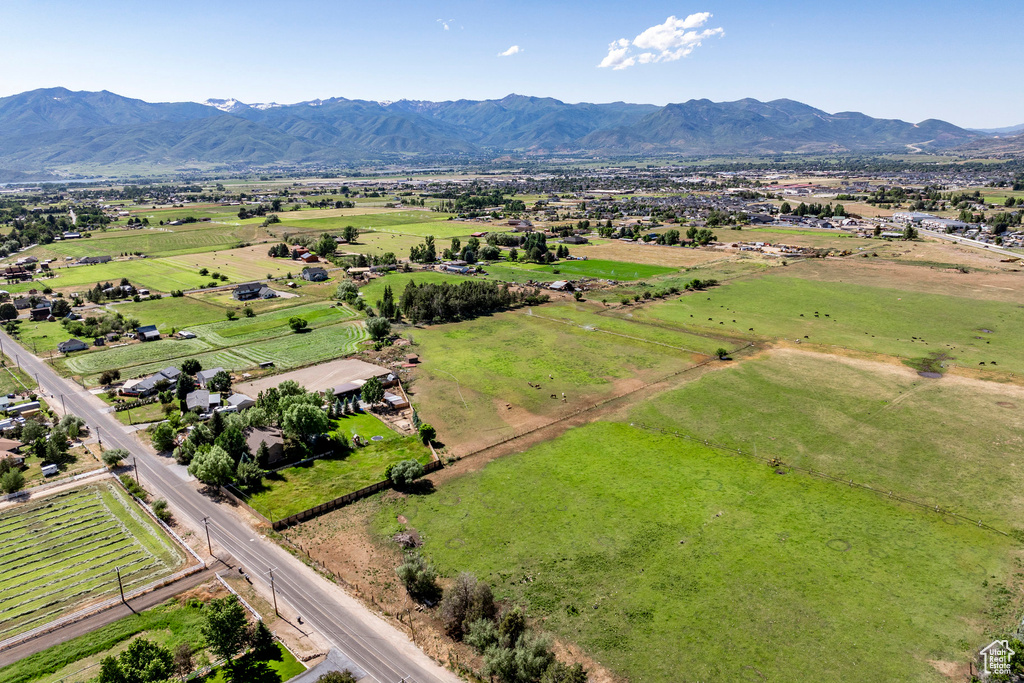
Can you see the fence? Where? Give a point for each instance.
(824, 475)
(118, 407)
(25, 493)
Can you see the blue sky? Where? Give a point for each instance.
(910, 60)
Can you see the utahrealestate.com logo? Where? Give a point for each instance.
(997, 656)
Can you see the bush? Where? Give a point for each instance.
(379, 328)
(162, 512)
(427, 433)
(337, 677)
(297, 324)
(133, 487)
(114, 457)
(108, 377)
(403, 473)
(466, 602)
(163, 437)
(418, 577)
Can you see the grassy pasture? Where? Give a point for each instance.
(12, 378)
(870, 319)
(154, 241)
(570, 270)
(882, 425)
(160, 275)
(171, 312)
(91, 529)
(374, 290)
(473, 381)
(296, 489)
(240, 265)
(630, 543)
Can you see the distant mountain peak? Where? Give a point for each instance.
(229, 105)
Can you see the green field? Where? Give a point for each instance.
(288, 350)
(169, 313)
(154, 241)
(92, 529)
(295, 489)
(471, 371)
(931, 440)
(374, 290)
(571, 270)
(12, 378)
(873, 319)
(666, 560)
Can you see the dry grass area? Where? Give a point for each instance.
(648, 254)
(991, 286)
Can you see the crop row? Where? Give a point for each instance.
(61, 584)
(59, 552)
(39, 535)
(18, 560)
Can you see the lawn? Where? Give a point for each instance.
(280, 668)
(890, 321)
(295, 489)
(12, 378)
(91, 529)
(171, 313)
(879, 424)
(374, 290)
(161, 275)
(666, 560)
(572, 270)
(474, 380)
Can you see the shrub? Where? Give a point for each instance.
(133, 487)
(162, 512)
(403, 473)
(114, 457)
(297, 324)
(418, 577)
(427, 433)
(337, 677)
(108, 377)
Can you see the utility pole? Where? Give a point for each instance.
(206, 523)
(273, 591)
(119, 586)
(63, 407)
(135, 464)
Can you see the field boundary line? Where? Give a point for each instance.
(824, 475)
(240, 598)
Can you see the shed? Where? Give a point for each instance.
(50, 470)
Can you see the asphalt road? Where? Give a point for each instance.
(382, 651)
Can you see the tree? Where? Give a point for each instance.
(350, 234)
(261, 640)
(142, 662)
(60, 308)
(8, 312)
(404, 473)
(220, 382)
(225, 627)
(114, 457)
(910, 233)
(467, 601)
(190, 366)
(297, 324)
(183, 387)
(163, 437)
(785, 208)
(233, 442)
(231, 315)
(372, 391)
(213, 467)
(325, 246)
(182, 663)
(108, 377)
(387, 307)
(347, 291)
(722, 353)
(379, 328)
(303, 420)
(249, 313)
(427, 433)
(337, 677)
(11, 481)
(249, 474)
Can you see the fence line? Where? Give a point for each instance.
(823, 475)
(603, 402)
(240, 598)
(51, 484)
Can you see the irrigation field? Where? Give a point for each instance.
(288, 350)
(59, 553)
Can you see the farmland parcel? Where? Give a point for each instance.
(87, 532)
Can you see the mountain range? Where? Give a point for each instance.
(56, 128)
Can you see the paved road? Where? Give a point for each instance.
(970, 243)
(382, 651)
(101, 619)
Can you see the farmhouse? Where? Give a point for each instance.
(309, 257)
(202, 401)
(315, 274)
(574, 239)
(247, 292)
(204, 376)
(148, 385)
(272, 437)
(72, 345)
(93, 260)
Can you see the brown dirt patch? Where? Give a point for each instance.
(959, 671)
(1006, 404)
(650, 254)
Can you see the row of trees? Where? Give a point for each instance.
(444, 302)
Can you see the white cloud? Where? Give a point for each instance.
(514, 50)
(446, 25)
(666, 42)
